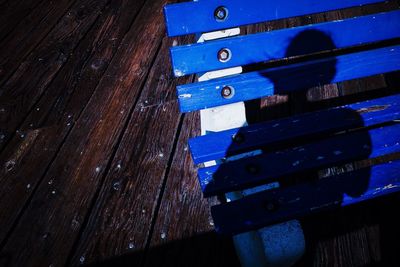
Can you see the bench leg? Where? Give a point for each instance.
(277, 245)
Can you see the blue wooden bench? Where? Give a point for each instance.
(253, 166)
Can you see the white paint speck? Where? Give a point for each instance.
(185, 96)
(296, 163)
(97, 169)
(28, 186)
(163, 235)
(161, 155)
(82, 259)
(178, 73)
(337, 152)
(53, 192)
(131, 245)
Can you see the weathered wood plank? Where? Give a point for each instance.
(121, 219)
(85, 155)
(29, 82)
(267, 46)
(30, 31)
(53, 116)
(193, 17)
(183, 232)
(132, 186)
(272, 81)
(12, 12)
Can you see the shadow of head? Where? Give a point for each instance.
(294, 79)
(307, 44)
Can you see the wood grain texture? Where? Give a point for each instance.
(29, 32)
(128, 197)
(20, 93)
(88, 149)
(12, 12)
(61, 105)
(183, 232)
(63, 193)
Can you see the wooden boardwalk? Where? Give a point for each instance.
(95, 168)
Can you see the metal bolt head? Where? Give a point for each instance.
(238, 138)
(221, 13)
(224, 55)
(227, 92)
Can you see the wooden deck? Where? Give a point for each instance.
(95, 168)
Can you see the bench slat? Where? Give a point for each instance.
(273, 134)
(285, 79)
(296, 201)
(267, 46)
(266, 168)
(198, 17)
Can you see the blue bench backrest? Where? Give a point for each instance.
(199, 17)
(341, 50)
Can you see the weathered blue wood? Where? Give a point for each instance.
(266, 46)
(289, 78)
(198, 17)
(274, 206)
(268, 167)
(273, 134)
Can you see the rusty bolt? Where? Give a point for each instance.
(221, 13)
(227, 92)
(224, 55)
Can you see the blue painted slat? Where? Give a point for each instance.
(267, 46)
(274, 206)
(198, 17)
(284, 79)
(270, 134)
(267, 167)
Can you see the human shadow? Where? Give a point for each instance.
(279, 159)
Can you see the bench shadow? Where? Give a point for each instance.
(307, 42)
(211, 249)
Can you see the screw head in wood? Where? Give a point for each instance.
(221, 13)
(227, 92)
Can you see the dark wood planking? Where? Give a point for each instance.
(29, 32)
(13, 12)
(121, 219)
(29, 82)
(183, 232)
(82, 161)
(52, 118)
(138, 170)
